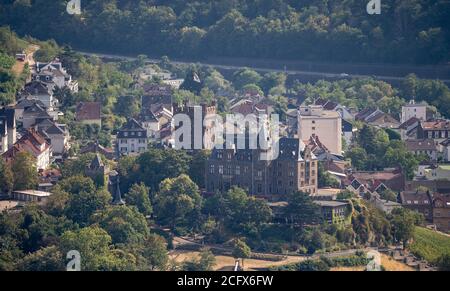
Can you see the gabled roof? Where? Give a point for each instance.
(409, 122)
(96, 163)
(25, 103)
(55, 129)
(31, 141)
(421, 145)
(147, 115)
(88, 111)
(37, 88)
(129, 129)
(436, 125)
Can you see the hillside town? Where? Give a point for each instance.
(153, 164)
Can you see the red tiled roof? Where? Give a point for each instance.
(436, 125)
(89, 111)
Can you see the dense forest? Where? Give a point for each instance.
(407, 31)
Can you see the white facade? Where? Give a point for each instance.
(327, 125)
(411, 110)
(129, 146)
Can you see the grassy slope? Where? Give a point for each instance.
(429, 244)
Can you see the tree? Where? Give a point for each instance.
(301, 209)
(245, 77)
(6, 178)
(197, 167)
(241, 250)
(325, 179)
(25, 172)
(206, 262)
(84, 198)
(272, 80)
(403, 223)
(46, 259)
(178, 201)
(94, 245)
(124, 224)
(154, 250)
(139, 196)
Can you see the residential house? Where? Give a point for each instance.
(156, 95)
(334, 106)
(426, 147)
(35, 144)
(56, 134)
(438, 130)
(409, 128)
(33, 114)
(89, 113)
(441, 212)
(334, 212)
(151, 123)
(8, 133)
(327, 125)
(378, 118)
(419, 201)
(375, 182)
(132, 138)
(295, 169)
(416, 110)
(54, 73)
(40, 91)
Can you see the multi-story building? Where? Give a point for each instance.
(438, 130)
(89, 113)
(35, 144)
(426, 147)
(441, 212)
(295, 169)
(313, 120)
(54, 73)
(416, 110)
(132, 138)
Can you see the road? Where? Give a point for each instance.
(318, 75)
(19, 65)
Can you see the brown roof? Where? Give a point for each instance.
(415, 198)
(436, 125)
(31, 141)
(393, 179)
(89, 111)
(409, 123)
(421, 145)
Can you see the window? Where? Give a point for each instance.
(123, 141)
(238, 170)
(220, 169)
(211, 169)
(260, 174)
(125, 134)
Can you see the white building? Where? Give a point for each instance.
(326, 124)
(413, 109)
(132, 138)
